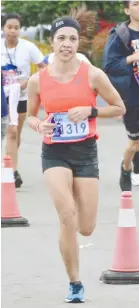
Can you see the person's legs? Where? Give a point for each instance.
(60, 184)
(21, 109)
(21, 120)
(136, 163)
(11, 145)
(135, 173)
(84, 162)
(86, 196)
(85, 186)
(13, 140)
(85, 190)
(71, 172)
(126, 167)
(131, 121)
(4, 126)
(129, 153)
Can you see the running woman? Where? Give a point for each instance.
(67, 90)
(16, 57)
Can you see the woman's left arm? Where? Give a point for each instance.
(101, 84)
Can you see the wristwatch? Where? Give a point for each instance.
(94, 113)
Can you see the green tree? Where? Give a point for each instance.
(109, 10)
(43, 12)
(39, 12)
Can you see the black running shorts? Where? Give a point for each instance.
(80, 157)
(21, 107)
(131, 121)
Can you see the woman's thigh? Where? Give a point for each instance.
(59, 181)
(86, 196)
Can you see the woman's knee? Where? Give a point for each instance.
(87, 228)
(68, 218)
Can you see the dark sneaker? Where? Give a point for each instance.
(125, 180)
(18, 180)
(76, 293)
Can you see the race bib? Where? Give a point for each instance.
(68, 131)
(10, 74)
(136, 71)
(135, 46)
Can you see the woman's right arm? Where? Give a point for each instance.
(33, 102)
(33, 105)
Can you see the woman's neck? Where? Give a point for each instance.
(11, 44)
(64, 67)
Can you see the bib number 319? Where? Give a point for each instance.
(67, 130)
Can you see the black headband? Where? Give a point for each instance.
(64, 22)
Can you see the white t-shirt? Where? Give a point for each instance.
(80, 56)
(21, 56)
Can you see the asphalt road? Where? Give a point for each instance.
(33, 274)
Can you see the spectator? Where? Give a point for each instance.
(16, 57)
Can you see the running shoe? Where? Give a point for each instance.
(18, 180)
(135, 179)
(76, 293)
(125, 179)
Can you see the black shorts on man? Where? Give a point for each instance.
(131, 121)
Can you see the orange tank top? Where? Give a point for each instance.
(57, 98)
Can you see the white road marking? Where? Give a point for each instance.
(86, 246)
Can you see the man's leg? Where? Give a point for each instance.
(132, 126)
(135, 173)
(126, 167)
(21, 120)
(129, 154)
(136, 163)
(13, 140)
(11, 145)
(4, 126)
(22, 106)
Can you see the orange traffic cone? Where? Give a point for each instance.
(10, 216)
(125, 265)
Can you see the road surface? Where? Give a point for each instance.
(33, 274)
